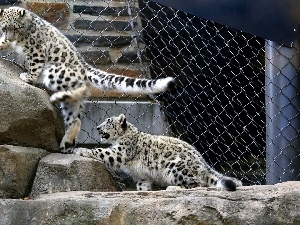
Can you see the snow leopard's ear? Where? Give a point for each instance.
(21, 12)
(123, 121)
(1, 12)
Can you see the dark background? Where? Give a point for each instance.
(275, 20)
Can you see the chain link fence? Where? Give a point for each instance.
(218, 105)
(237, 95)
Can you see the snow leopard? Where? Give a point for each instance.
(154, 159)
(53, 61)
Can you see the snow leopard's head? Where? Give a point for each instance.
(12, 20)
(112, 128)
(12, 17)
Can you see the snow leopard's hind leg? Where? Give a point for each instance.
(71, 112)
(75, 95)
(71, 104)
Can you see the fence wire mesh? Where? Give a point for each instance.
(236, 100)
(218, 105)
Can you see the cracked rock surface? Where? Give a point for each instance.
(277, 204)
(27, 116)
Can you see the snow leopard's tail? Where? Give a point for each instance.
(228, 183)
(107, 81)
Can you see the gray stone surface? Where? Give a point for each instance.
(27, 116)
(254, 205)
(58, 173)
(146, 116)
(18, 166)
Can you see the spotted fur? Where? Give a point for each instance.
(154, 159)
(54, 61)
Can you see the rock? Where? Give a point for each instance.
(253, 205)
(18, 166)
(27, 116)
(103, 25)
(58, 173)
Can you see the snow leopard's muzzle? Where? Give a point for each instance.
(103, 135)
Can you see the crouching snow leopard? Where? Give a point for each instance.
(154, 159)
(54, 62)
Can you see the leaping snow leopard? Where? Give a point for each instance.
(54, 62)
(151, 159)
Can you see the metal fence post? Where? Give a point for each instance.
(282, 100)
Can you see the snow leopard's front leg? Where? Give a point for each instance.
(36, 63)
(106, 155)
(143, 185)
(4, 43)
(88, 153)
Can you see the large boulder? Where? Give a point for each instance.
(252, 205)
(61, 173)
(27, 116)
(18, 166)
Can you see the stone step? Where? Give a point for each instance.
(145, 115)
(104, 10)
(99, 25)
(103, 57)
(100, 41)
(97, 57)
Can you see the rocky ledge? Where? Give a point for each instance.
(277, 204)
